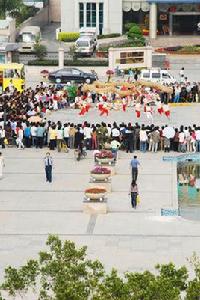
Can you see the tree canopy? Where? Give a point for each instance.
(9, 5)
(64, 272)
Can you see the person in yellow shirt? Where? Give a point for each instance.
(52, 137)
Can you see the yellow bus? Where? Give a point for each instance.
(12, 76)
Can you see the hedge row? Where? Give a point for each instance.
(68, 36)
(86, 63)
(106, 36)
(73, 36)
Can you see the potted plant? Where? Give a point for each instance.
(100, 173)
(105, 157)
(95, 193)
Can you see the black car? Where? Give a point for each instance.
(71, 74)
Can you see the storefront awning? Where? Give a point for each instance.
(135, 5)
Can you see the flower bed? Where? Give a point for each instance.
(105, 157)
(95, 190)
(180, 50)
(100, 174)
(96, 193)
(104, 154)
(101, 170)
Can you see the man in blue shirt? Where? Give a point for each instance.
(134, 165)
(48, 162)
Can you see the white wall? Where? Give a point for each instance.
(112, 15)
(115, 16)
(68, 15)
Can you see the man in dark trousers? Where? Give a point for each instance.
(48, 162)
(78, 140)
(134, 165)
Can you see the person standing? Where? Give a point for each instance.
(2, 137)
(2, 165)
(134, 165)
(134, 193)
(182, 74)
(48, 161)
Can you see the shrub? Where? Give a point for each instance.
(40, 51)
(107, 36)
(128, 26)
(68, 36)
(134, 30)
(135, 35)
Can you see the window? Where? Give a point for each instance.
(146, 75)
(155, 75)
(130, 58)
(81, 15)
(100, 18)
(2, 58)
(83, 44)
(91, 15)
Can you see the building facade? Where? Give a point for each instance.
(155, 17)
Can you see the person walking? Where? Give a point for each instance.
(2, 165)
(134, 165)
(48, 162)
(134, 193)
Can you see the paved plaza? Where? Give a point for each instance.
(124, 238)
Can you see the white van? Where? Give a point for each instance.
(89, 32)
(85, 46)
(28, 37)
(157, 75)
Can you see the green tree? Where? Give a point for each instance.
(9, 5)
(63, 272)
(40, 50)
(193, 288)
(135, 35)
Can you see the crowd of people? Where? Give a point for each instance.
(23, 120)
(131, 137)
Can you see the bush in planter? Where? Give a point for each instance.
(68, 36)
(100, 170)
(128, 26)
(135, 35)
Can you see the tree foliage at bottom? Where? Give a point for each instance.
(64, 272)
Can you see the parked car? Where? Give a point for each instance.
(71, 74)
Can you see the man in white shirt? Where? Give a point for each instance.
(88, 136)
(66, 134)
(115, 133)
(34, 135)
(2, 137)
